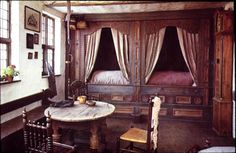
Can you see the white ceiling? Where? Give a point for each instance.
(103, 7)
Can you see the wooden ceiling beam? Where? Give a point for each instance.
(93, 3)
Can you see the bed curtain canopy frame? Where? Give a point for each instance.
(189, 44)
(121, 48)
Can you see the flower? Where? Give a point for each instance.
(9, 72)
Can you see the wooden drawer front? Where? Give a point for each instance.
(183, 100)
(144, 111)
(117, 97)
(145, 98)
(177, 112)
(105, 97)
(124, 109)
(95, 95)
(163, 112)
(128, 98)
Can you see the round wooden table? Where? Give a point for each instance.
(81, 116)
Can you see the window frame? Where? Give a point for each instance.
(46, 46)
(7, 41)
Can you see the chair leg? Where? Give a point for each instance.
(118, 145)
(131, 145)
(155, 151)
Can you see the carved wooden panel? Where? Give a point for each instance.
(124, 109)
(105, 97)
(117, 97)
(222, 101)
(145, 98)
(129, 98)
(222, 113)
(154, 26)
(183, 99)
(183, 112)
(137, 27)
(163, 112)
(197, 100)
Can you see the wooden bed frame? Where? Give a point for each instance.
(179, 102)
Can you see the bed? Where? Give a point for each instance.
(171, 78)
(114, 77)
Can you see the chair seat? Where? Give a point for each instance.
(135, 135)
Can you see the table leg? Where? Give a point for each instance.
(104, 132)
(94, 140)
(56, 136)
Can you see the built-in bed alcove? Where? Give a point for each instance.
(106, 57)
(106, 68)
(180, 101)
(174, 72)
(170, 68)
(109, 77)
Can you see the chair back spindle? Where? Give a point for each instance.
(38, 136)
(49, 133)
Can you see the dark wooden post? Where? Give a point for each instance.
(49, 133)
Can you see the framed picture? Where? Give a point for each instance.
(29, 41)
(32, 19)
(30, 55)
(35, 55)
(36, 38)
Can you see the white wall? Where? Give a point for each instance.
(30, 70)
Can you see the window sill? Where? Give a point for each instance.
(7, 82)
(46, 76)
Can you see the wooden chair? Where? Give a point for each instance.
(147, 137)
(38, 137)
(79, 88)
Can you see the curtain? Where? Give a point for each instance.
(121, 47)
(153, 49)
(92, 45)
(189, 44)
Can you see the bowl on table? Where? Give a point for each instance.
(82, 99)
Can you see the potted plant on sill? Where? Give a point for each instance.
(9, 72)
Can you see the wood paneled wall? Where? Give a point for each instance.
(189, 102)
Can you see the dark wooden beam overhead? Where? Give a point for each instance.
(93, 3)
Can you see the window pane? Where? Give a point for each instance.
(50, 22)
(4, 4)
(3, 55)
(4, 33)
(48, 39)
(43, 30)
(3, 51)
(50, 57)
(4, 14)
(4, 19)
(4, 24)
(3, 64)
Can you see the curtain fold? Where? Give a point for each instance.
(121, 47)
(189, 44)
(92, 45)
(153, 48)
